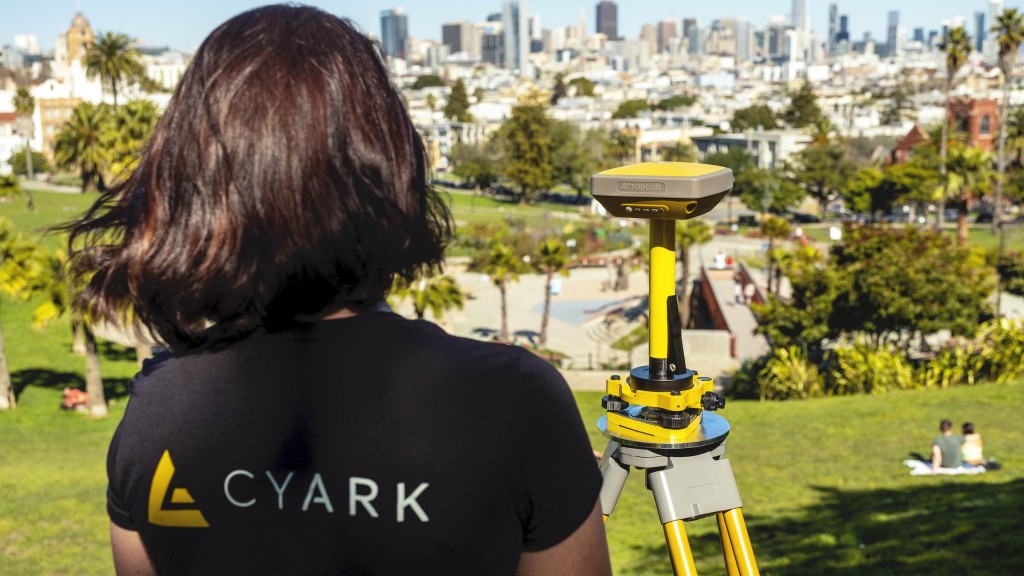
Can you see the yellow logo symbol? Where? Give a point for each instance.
(181, 518)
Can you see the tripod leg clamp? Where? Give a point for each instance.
(692, 487)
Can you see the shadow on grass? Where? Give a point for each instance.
(112, 351)
(113, 388)
(944, 527)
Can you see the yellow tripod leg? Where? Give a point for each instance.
(679, 549)
(730, 555)
(742, 550)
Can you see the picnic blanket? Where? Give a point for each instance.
(922, 468)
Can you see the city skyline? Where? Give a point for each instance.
(192, 20)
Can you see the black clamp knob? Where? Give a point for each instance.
(613, 403)
(712, 401)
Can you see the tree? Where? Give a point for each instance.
(675, 102)
(1010, 29)
(478, 94)
(131, 125)
(822, 169)
(802, 320)
(680, 152)
(957, 47)
(898, 107)
(803, 109)
(574, 157)
(887, 285)
(437, 293)
(630, 109)
(584, 86)
(903, 282)
(970, 171)
(761, 190)
(526, 141)
(84, 144)
(552, 258)
(427, 81)
(24, 107)
(19, 166)
(559, 90)
(860, 191)
(621, 147)
(822, 131)
(478, 163)
(1014, 127)
(61, 290)
(774, 228)
(503, 266)
(20, 271)
(457, 106)
(752, 117)
(114, 59)
(689, 234)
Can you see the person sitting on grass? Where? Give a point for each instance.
(971, 451)
(74, 399)
(946, 448)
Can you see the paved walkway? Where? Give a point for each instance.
(738, 316)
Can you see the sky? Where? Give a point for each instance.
(182, 24)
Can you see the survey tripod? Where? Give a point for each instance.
(660, 418)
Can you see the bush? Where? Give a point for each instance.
(862, 369)
(789, 374)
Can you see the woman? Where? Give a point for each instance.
(971, 449)
(299, 426)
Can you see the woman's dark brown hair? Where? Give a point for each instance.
(284, 178)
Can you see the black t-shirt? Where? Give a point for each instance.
(366, 445)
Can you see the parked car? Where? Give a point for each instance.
(800, 218)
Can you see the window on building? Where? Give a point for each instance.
(986, 124)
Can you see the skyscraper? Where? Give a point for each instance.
(891, 42)
(517, 36)
(991, 48)
(801, 15)
(667, 30)
(979, 31)
(844, 29)
(394, 31)
(607, 19)
(833, 26)
(688, 24)
(457, 36)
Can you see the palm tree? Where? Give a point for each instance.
(1010, 28)
(1015, 134)
(439, 294)
(84, 143)
(689, 233)
(20, 270)
(957, 46)
(132, 125)
(821, 131)
(774, 228)
(970, 170)
(24, 108)
(503, 266)
(61, 290)
(114, 59)
(680, 152)
(552, 259)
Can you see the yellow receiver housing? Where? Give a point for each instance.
(661, 190)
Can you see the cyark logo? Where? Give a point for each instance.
(641, 187)
(178, 518)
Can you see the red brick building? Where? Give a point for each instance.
(978, 118)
